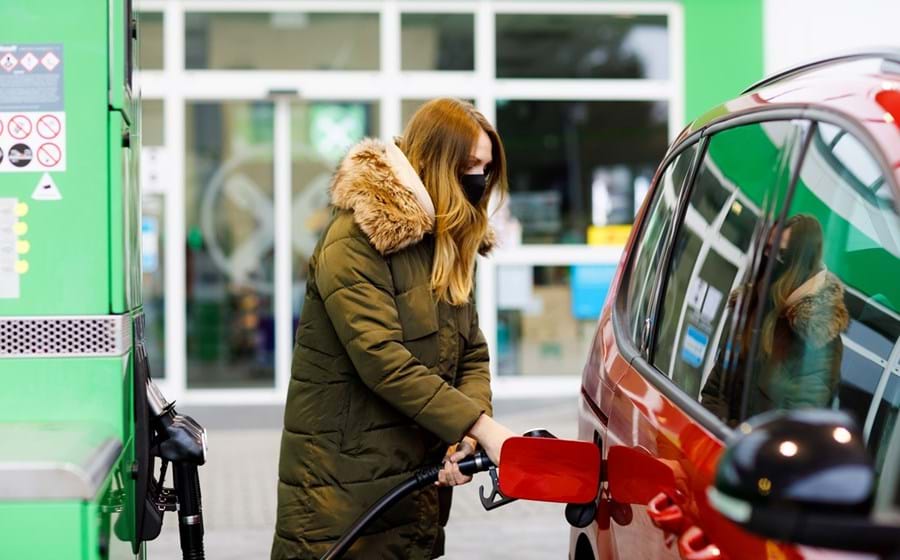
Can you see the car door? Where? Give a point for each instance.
(656, 418)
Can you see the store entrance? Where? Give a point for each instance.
(257, 175)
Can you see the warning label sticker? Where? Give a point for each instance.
(25, 84)
(32, 116)
(32, 142)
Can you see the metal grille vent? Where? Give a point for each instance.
(64, 336)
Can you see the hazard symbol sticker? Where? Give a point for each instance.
(29, 61)
(48, 127)
(50, 61)
(32, 116)
(8, 61)
(19, 127)
(46, 189)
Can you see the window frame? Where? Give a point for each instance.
(641, 224)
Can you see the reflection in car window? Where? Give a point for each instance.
(830, 333)
(887, 499)
(658, 222)
(712, 253)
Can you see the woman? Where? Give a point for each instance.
(798, 359)
(390, 370)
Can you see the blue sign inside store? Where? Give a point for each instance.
(590, 284)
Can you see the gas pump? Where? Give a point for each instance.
(86, 438)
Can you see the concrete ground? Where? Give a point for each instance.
(239, 484)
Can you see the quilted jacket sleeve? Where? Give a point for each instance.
(355, 284)
(474, 377)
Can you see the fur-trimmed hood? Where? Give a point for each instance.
(816, 310)
(388, 199)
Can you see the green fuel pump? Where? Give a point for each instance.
(83, 429)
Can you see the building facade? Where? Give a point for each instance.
(249, 105)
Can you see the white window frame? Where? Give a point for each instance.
(177, 86)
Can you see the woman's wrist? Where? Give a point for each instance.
(480, 427)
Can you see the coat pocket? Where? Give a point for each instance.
(419, 320)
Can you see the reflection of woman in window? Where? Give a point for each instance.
(798, 358)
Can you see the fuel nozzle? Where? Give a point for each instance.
(181, 441)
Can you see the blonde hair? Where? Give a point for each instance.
(438, 142)
(802, 258)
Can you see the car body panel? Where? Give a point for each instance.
(621, 406)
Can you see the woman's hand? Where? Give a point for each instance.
(491, 435)
(450, 475)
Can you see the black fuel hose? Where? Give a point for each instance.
(190, 511)
(477, 463)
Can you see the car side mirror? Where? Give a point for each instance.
(804, 477)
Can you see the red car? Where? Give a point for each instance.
(762, 275)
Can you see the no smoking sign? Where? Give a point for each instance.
(42, 135)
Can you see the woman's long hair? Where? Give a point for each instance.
(438, 142)
(801, 259)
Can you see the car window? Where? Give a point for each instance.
(828, 314)
(713, 249)
(655, 230)
(887, 500)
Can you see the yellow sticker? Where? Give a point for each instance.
(22, 247)
(21, 267)
(21, 209)
(21, 228)
(608, 235)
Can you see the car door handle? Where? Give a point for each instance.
(692, 545)
(665, 513)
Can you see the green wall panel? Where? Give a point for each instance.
(723, 50)
(92, 390)
(41, 530)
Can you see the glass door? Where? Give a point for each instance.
(320, 134)
(229, 244)
(256, 200)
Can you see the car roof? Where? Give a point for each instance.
(860, 88)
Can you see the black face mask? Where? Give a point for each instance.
(474, 186)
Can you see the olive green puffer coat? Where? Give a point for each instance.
(383, 377)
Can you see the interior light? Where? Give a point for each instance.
(842, 435)
(788, 448)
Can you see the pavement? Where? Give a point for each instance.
(239, 482)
